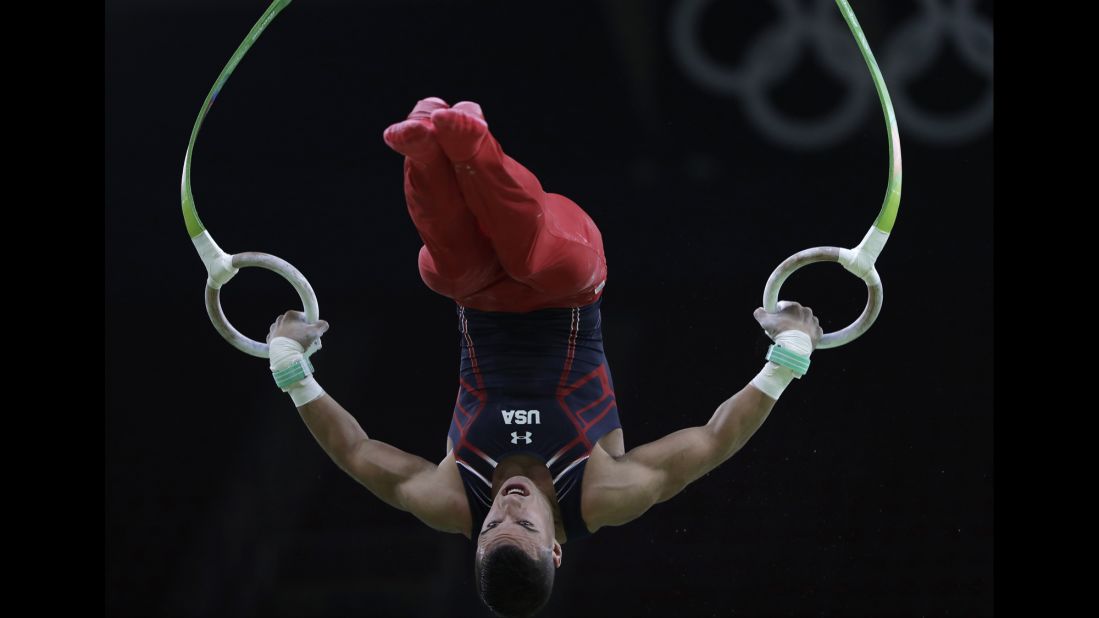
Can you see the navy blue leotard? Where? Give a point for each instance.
(532, 383)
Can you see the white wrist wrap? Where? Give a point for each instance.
(285, 352)
(773, 379)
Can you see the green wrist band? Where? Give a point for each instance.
(784, 357)
(294, 373)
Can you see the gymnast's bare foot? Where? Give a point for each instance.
(460, 130)
(415, 137)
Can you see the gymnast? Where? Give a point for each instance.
(535, 454)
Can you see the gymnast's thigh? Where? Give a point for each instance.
(567, 257)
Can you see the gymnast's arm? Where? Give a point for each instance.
(655, 472)
(402, 480)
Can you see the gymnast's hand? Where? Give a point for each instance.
(790, 316)
(292, 325)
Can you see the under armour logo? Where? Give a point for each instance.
(515, 437)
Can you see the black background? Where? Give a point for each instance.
(868, 491)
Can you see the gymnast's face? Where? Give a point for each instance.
(520, 515)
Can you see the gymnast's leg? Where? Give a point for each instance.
(457, 258)
(544, 240)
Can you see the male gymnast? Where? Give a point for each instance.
(535, 454)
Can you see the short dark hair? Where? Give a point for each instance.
(511, 582)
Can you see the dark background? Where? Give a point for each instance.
(867, 492)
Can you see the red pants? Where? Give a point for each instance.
(495, 241)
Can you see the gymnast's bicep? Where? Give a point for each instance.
(437, 498)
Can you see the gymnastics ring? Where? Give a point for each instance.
(221, 266)
(860, 260)
(827, 254)
(276, 265)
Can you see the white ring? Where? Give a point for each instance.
(279, 266)
(826, 254)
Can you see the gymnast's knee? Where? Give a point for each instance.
(455, 284)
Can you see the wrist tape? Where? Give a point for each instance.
(787, 359)
(292, 371)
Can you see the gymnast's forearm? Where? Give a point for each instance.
(333, 427)
(380, 467)
(737, 419)
(682, 457)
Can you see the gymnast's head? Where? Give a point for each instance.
(517, 552)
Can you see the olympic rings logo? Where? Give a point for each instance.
(908, 53)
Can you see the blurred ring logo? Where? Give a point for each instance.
(905, 57)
